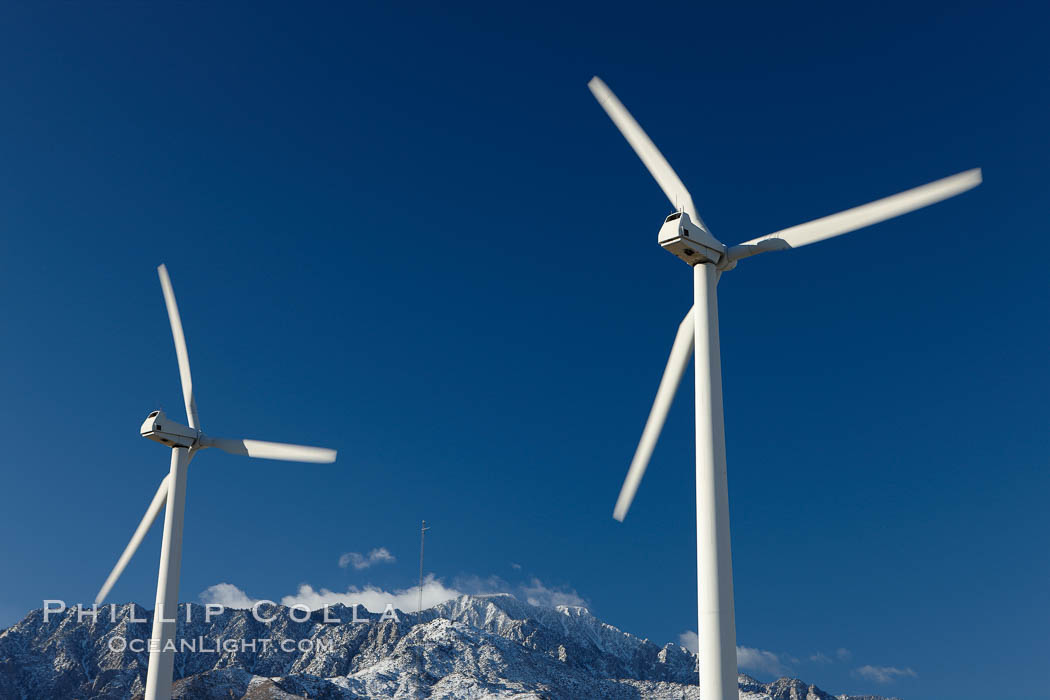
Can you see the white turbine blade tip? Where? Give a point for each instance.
(642, 455)
(597, 85)
(629, 489)
(972, 177)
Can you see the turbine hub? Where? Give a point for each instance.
(690, 241)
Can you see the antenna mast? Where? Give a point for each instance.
(422, 535)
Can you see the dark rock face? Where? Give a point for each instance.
(470, 647)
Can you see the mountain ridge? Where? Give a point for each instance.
(469, 647)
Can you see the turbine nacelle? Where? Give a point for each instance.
(689, 240)
(162, 429)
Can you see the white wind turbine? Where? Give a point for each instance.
(184, 441)
(685, 235)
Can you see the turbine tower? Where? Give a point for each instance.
(185, 441)
(685, 235)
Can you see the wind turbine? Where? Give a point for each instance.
(185, 441)
(686, 236)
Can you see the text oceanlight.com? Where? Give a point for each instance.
(201, 645)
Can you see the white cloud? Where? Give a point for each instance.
(840, 654)
(371, 598)
(884, 674)
(538, 594)
(760, 661)
(516, 566)
(379, 555)
(226, 595)
(757, 660)
(534, 592)
(376, 599)
(475, 585)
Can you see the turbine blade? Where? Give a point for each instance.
(658, 166)
(859, 217)
(681, 351)
(180, 347)
(271, 450)
(159, 501)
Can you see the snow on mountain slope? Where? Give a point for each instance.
(468, 648)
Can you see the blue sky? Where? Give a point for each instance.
(412, 235)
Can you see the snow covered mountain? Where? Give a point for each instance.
(467, 648)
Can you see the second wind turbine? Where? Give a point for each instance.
(685, 235)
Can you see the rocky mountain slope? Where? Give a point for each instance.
(467, 648)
